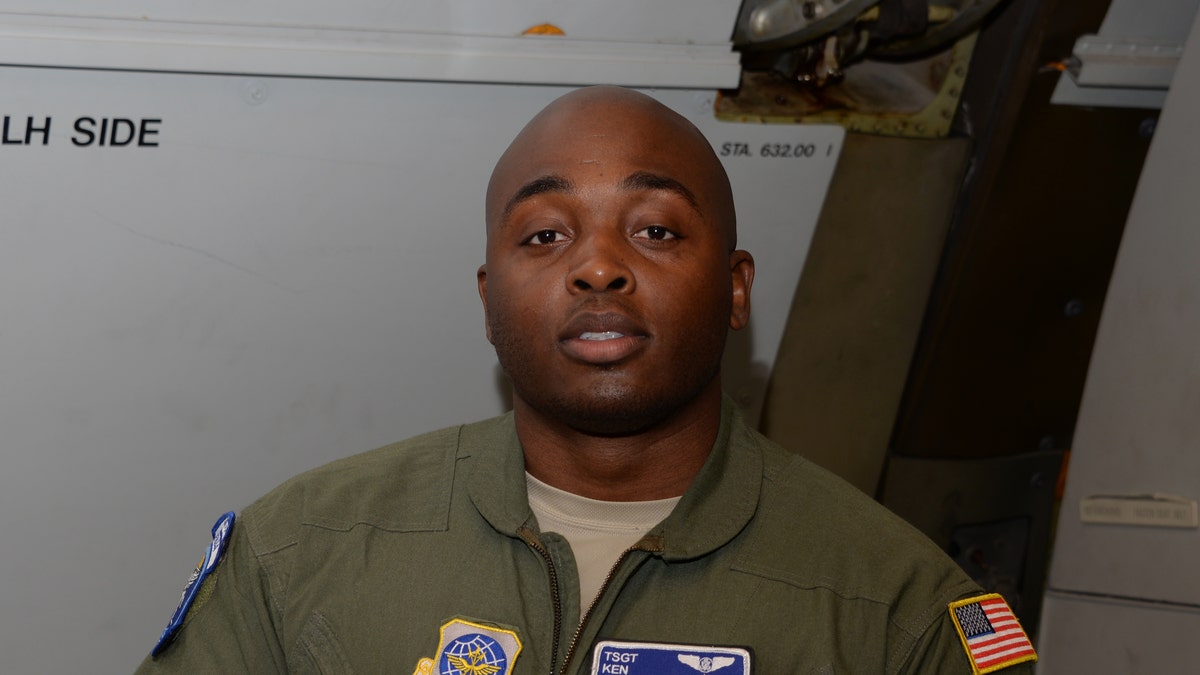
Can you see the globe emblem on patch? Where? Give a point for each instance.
(473, 654)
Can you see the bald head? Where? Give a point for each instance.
(613, 126)
(611, 278)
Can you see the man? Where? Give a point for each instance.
(623, 518)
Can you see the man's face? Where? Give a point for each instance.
(610, 280)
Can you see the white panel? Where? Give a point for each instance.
(1138, 430)
(1149, 19)
(666, 21)
(1067, 92)
(1087, 636)
(1132, 61)
(287, 277)
(680, 44)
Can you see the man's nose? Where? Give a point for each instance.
(599, 265)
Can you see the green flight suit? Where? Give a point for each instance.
(354, 567)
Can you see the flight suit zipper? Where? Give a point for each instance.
(531, 539)
(649, 544)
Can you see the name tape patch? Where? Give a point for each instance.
(612, 657)
(990, 633)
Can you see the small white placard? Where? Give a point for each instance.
(1155, 510)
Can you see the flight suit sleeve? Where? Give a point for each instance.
(233, 626)
(940, 651)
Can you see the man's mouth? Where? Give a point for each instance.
(602, 339)
(606, 335)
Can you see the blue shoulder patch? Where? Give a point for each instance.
(220, 532)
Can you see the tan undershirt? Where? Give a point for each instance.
(598, 531)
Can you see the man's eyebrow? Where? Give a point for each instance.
(535, 187)
(644, 180)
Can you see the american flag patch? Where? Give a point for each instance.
(990, 633)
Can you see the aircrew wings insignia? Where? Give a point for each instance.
(706, 664)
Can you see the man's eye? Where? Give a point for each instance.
(655, 232)
(545, 237)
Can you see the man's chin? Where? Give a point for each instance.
(610, 413)
(612, 426)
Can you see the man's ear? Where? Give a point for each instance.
(741, 267)
(481, 281)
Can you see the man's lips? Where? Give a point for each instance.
(602, 338)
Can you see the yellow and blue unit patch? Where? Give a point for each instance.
(990, 633)
(469, 648)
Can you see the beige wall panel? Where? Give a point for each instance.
(854, 321)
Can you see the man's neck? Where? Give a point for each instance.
(658, 463)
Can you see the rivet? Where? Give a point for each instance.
(254, 92)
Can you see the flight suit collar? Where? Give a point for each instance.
(718, 505)
(491, 454)
(723, 497)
